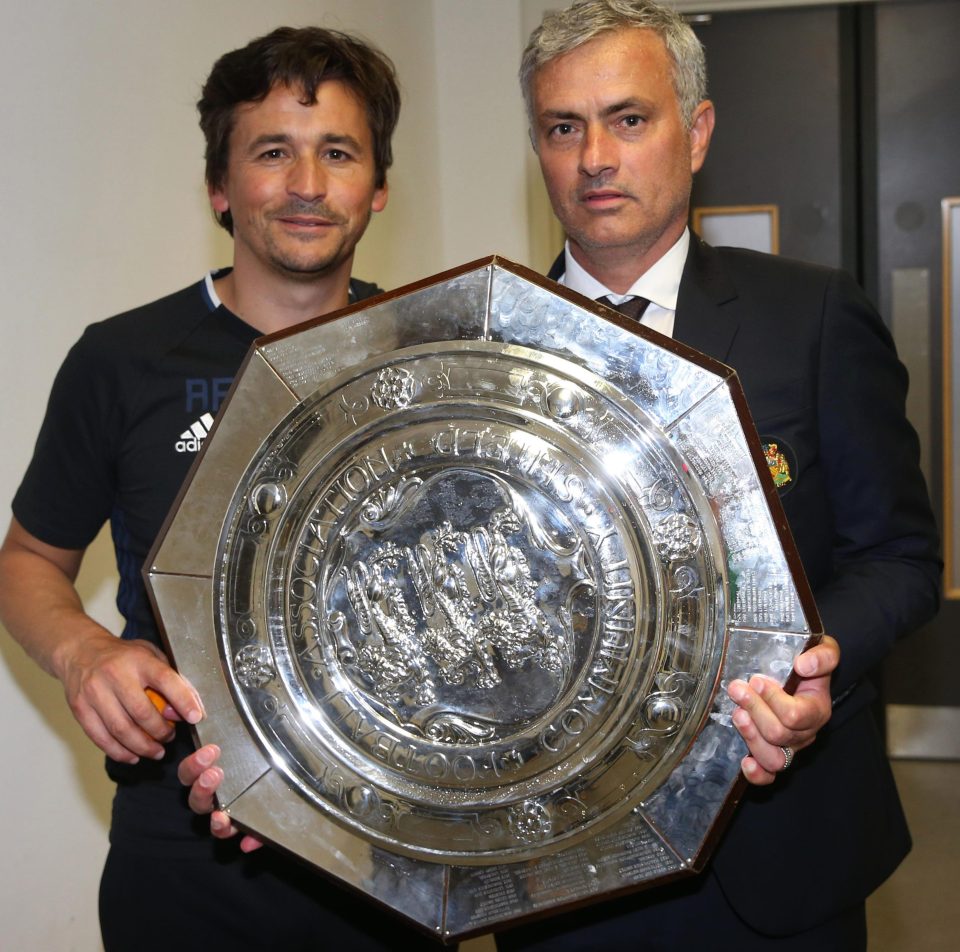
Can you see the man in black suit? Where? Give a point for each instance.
(616, 97)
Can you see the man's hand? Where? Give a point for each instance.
(769, 719)
(201, 773)
(106, 679)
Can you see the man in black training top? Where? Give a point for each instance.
(298, 127)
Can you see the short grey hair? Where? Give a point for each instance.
(584, 20)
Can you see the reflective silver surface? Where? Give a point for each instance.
(461, 575)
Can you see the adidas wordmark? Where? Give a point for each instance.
(192, 438)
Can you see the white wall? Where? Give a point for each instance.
(103, 208)
(478, 47)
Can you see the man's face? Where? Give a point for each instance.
(616, 156)
(300, 182)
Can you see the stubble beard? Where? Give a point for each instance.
(307, 266)
(637, 239)
(311, 264)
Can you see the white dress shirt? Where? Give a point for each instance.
(659, 285)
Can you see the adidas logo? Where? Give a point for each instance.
(191, 439)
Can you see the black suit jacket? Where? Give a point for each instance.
(823, 381)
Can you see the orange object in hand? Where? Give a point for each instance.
(158, 701)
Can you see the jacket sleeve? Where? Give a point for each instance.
(884, 578)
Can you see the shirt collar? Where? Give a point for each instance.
(213, 299)
(660, 284)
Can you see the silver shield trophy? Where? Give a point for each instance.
(461, 575)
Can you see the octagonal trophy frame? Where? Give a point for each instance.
(461, 574)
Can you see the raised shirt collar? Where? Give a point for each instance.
(659, 284)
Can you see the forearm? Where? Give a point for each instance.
(105, 678)
(40, 606)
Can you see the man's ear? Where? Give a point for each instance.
(218, 199)
(700, 132)
(380, 197)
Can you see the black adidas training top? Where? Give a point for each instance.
(122, 427)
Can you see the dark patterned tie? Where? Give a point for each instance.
(632, 307)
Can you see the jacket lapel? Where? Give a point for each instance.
(706, 305)
(557, 268)
(706, 313)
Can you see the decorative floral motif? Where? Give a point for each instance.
(530, 822)
(677, 537)
(393, 388)
(252, 666)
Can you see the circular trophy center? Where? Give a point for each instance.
(462, 628)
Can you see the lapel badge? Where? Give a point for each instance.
(778, 464)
